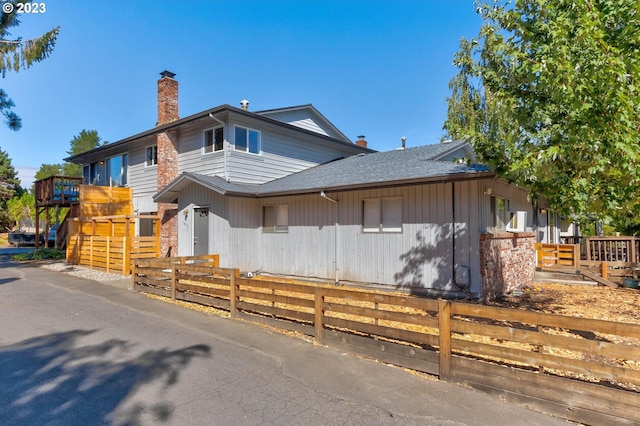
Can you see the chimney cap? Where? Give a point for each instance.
(244, 104)
(166, 73)
(361, 137)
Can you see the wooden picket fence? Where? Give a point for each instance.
(583, 370)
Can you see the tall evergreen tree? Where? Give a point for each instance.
(17, 54)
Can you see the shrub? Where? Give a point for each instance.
(44, 253)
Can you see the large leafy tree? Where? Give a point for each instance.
(555, 89)
(17, 54)
(21, 209)
(9, 187)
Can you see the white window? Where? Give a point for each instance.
(117, 170)
(382, 215)
(213, 140)
(275, 218)
(151, 156)
(247, 140)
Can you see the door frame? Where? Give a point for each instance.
(192, 211)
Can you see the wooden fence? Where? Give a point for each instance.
(558, 256)
(107, 242)
(583, 370)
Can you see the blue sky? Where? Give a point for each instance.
(372, 67)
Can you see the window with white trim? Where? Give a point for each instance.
(275, 218)
(382, 215)
(151, 156)
(213, 140)
(247, 140)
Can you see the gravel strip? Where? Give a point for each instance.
(81, 271)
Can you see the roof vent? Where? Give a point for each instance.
(404, 142)
(244, 104)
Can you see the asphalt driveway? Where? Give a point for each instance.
(73, 351)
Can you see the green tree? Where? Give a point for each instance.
(47, 170)
(561, 78)
(9, 186)
(22, 208)
(84, 141)
(17, 54)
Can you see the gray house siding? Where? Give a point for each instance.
(301, 118)
(142, 179)
(190, 156)
(423, 256)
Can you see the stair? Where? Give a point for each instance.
(562, 277)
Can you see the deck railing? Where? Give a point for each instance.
(57, 190)
(613, 249)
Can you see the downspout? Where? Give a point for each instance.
(336, 276)
(453, 235)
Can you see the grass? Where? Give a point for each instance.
(40, 254)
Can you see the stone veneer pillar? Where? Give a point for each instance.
(508, 260)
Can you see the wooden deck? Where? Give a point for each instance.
(606, 262)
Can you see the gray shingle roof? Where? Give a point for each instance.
(411, 165)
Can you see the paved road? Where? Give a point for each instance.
(76, 352)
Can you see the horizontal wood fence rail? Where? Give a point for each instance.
(108, 243)
(584, 370)
(558, 256)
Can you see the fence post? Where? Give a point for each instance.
(444, 334)
(576, 256)
(318, 314)
(605, 270)
(126, 261)
(108, 254)
(133, 277)
(174, 280)
(233, 298)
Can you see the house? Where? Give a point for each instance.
(284, 192)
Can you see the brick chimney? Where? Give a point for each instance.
(361, 142)
(167, 167)
(167, 98)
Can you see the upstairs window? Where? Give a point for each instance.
(213, 140)
(247, 140)
(151, 156)
(275, 218)
(382, 215)
(117, 170)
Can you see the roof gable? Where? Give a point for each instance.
(305, 117)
